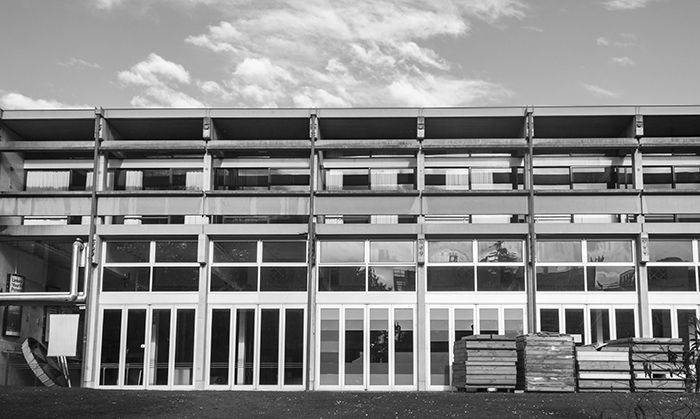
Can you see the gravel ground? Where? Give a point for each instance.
(37, 402)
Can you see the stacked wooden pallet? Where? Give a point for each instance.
(546, 362)
(606, 369)
(483, 362)
(656, 363)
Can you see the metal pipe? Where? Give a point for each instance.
(53, 297)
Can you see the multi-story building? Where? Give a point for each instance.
(341, 248)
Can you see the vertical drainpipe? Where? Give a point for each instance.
(531, 237)
(311, 263)
(421, 311)
(644, 328)
(90, 292)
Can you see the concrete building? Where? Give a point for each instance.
(340, 249)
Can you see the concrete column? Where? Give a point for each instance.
(531, 238)
(311, 263)
(200, 346)
(421, 315)
(643, 286)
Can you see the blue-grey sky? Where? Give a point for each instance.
(341, 53)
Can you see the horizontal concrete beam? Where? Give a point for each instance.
(259, 144)
(671, 204)
(366, 144)
(659, 142)
(481, 205)
(367, 205)
(149, 205)
(34, 205)
(87, 113)
(148, 145)
(258, 205)
(367, 229)
(582, 229)
(59, 146)
(566, 143)
(443, 230)
(475, 143)
(587, 204)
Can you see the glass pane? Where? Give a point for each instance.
(624, 323)
(135, 344)
(560, 278)
(125, 279)
(600, 326)
(127, 252)
(513, 319)
(175, 279)
(500, 251)
(687, 324)
(658, 178)
(176, 251)
(220, 346)
(671, 278)
(403, 346)
(687, 177)
(283, 278)
(346, 278)
(574, 325)
(444, 179)
(444, 252)
(661, 323)
(450, 278)
(294, 347)
(244, 344)
(160, 348)
(269, 346)
(488, 321)
(330, 346)
(439, 347)
(342, 252)
(391, 278)
(611, 278)
(251, 179)
(350, 179)
(549, 320)
(379, 346)
(497, 179)
(464, 323)
(109, 353)
(609, 251)
(354, 346)
(399, 251)
(292, 251)
(289, 179)
(235, 252)
(234, 279)
(184, 347)
(594, 178)
(500, 278)
(559, 251)
(551, 177)
(670, 251)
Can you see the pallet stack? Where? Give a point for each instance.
(546, 362)
(656, 363)
(606, 369)
(484, 362)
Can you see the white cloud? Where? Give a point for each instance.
(159, 82)
(107, 4)
(623, 61)
(534, 29)
(626, 4)
(602, 41)
(623, 40)
(600, 91)
(78, 62)
(14, 100)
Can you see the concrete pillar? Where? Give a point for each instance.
(200, 345)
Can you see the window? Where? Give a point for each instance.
(164, 265)
(671, 266)
(267, 265)
(58, 180)
(671, 177)
(483, 265)
(604, 323)
(282, 179)
(583, 177)
(155, 179)
(367, 266)
(608, 265)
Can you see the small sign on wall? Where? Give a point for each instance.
(63, 334)
(12, 323)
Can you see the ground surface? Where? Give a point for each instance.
(37, 402)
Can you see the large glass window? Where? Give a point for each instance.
(155, 179)
(585, 265)
(268, 265)
(282, 179)
(671, 177)
(367, 266)
(378, 179)
(163, 265)
(672, 266)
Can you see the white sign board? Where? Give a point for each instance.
(63, 334)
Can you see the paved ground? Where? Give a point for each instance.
(37, 402)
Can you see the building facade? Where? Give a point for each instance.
(340, 249)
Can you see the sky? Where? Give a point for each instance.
(347, 53)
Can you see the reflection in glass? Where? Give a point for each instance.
(345, 278)
(220, 337)
(611, 278)
(600, 326)
(448, 252)
(439, 347)
(176, 251)
(500, 251)
(559, 251)
(488, 321)
(450, 278)
(329, 364)
(160, 347)
(245, 335)
(283, 278)
(284, 251)
(671, 278)
(175, 278)
(125, 279)
(513, 321)
(403, 346)
(135, 344)
(500, 278)
(661, 323)
(624, 323)
(127, 252)
(574, 325)
(378, 346)
(354, 350)
(342, 252)
(609, 250)
(560, 278)
(670, 251)
(464, 322)
(391, 278)
(687, 326)
(109, 352)
(184, 348)
(235, 252)
(234, 278)
(269, 346)
(397, 251)
(294, 346)
(549, 320)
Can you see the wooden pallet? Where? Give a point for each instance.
(546, 363)
(484, 361)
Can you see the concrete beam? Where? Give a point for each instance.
(147, 145)
(47, 146)
(582, 143)
(475, 143)
(366, 144)
(259, 145)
